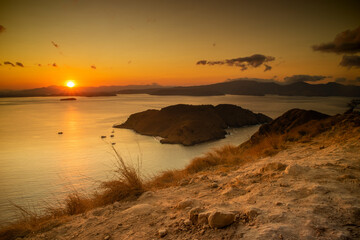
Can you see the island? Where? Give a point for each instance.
(192, 124)
(68, 99)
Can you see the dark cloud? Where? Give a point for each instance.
(304, 78)
(350, 61)
(340, 80)
(19, 64)
(54, 65)
(2, 28)
(345, 42)
(9, 63)
(54, 44)
(201, 62)
(255, 60)
(93, 66)
(267, 67)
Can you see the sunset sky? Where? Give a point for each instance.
(108, 42)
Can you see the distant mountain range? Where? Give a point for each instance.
(255, 87)
(77, 91)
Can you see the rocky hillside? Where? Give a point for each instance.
(309, 190)
(190, 124)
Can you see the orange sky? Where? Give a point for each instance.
(142, 42)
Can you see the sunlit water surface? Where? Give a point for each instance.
(39, 167)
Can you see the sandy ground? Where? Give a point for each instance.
(309, 191)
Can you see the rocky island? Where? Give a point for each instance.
(192, 124)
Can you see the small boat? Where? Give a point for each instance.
(112, 135)
(112, 131)
(113, 143)
(60, 133)
(103, 136)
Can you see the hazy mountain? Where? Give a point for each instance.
(255, 87)
(77, 91)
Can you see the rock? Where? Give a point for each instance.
(252, 213)
(146, 195)
(274, 166)
(203, 217)
(204, 177)
(184, 182)
(140, 209)
(295, 169)
(187, 203)
(187, 222)
(98, 212)
(162, 232)
(220, 218)
(107, 237)
(233, 191)
(214, 185)
(193, 215)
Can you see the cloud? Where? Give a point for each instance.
(255, 61)
(340, 80)
(2, 28)
(267, 67)
(55, 45)
(19, 64)
(343, 80)
(9, 63)
(304, 78)
(350, 61)
(344, 42)
(93, 66)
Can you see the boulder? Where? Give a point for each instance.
(220, 218)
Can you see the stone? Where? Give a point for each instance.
(146, 195)
(220, 218)
(107, 237)
(233, 191)
(274, 166)
(295, 169)
(193, 215)
(186, 203)
(214, 185)
(187, 222)
(140, 209)
(162, 232)
(203, 217)
(184, 182)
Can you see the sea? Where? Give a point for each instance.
(39, 167)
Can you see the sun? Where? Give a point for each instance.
(70, 84)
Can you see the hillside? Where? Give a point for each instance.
(255, 87)
(191, 124)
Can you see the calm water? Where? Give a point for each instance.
(37, 165)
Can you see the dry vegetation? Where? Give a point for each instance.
(129, 184)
